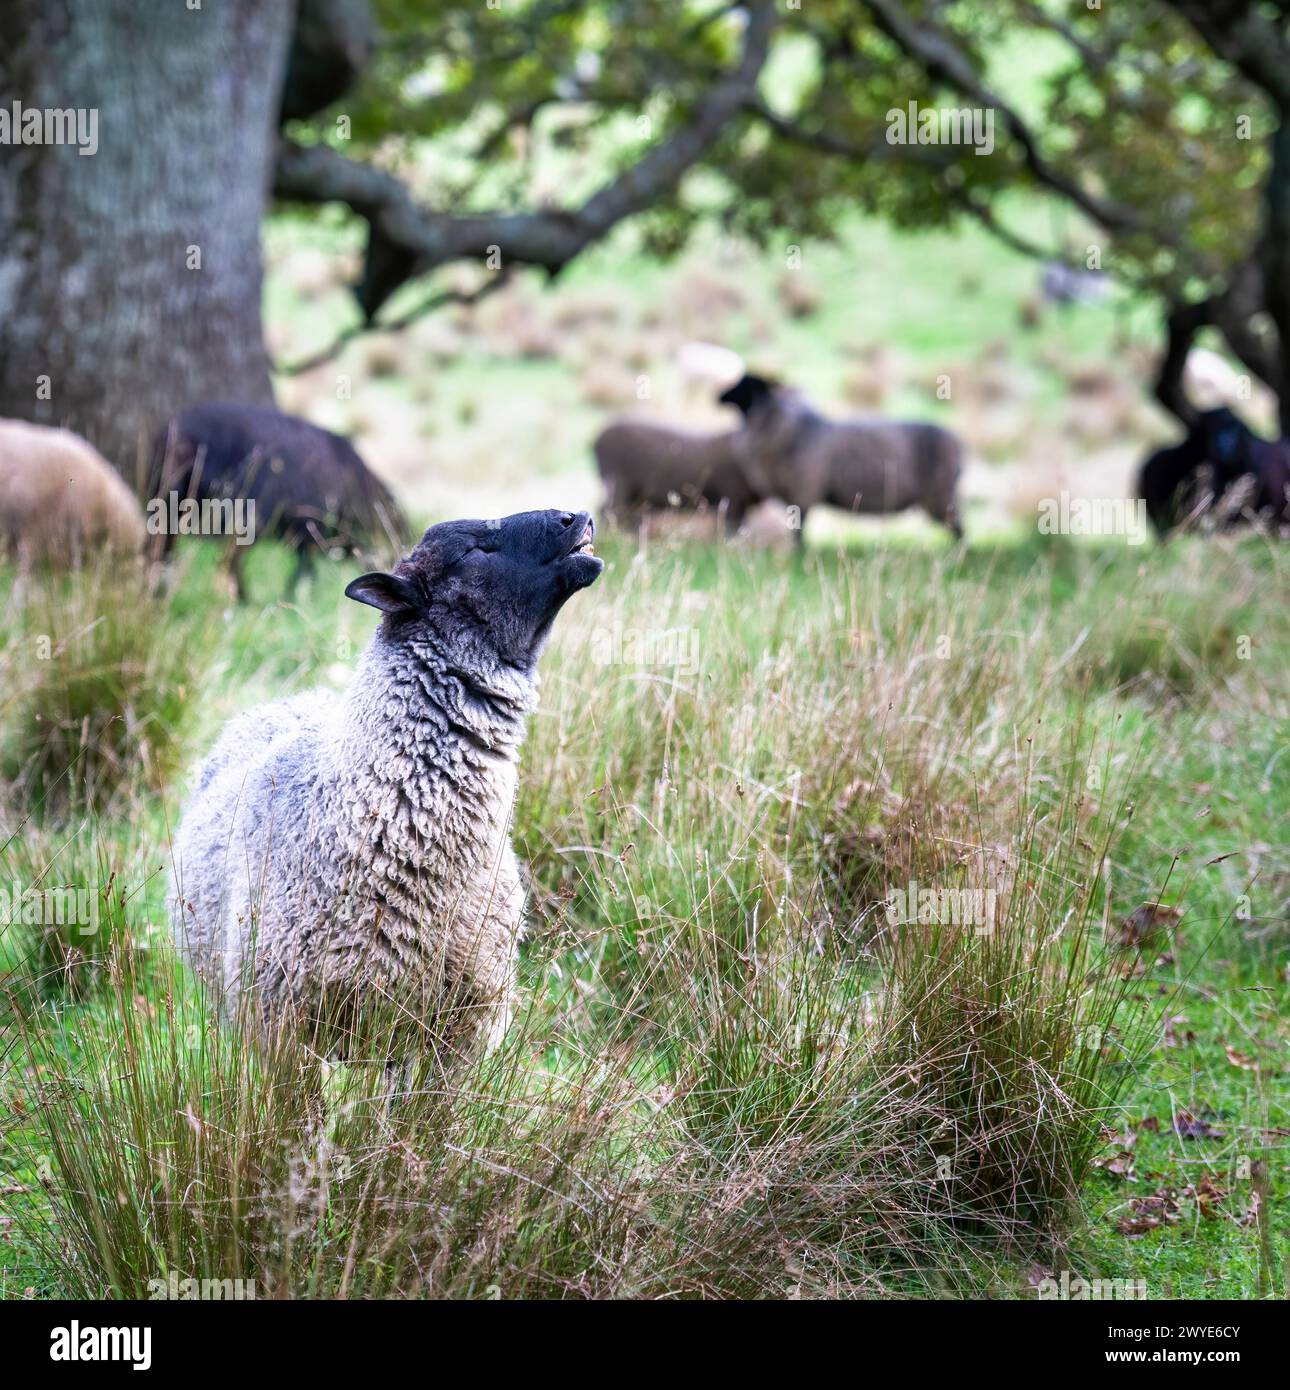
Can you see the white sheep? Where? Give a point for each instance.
(60, 499)
(345, 861)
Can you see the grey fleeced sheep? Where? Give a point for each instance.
(346, 859)
(644, 465)
(60, 499)
(808, 460)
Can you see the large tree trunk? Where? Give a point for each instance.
(100, 290)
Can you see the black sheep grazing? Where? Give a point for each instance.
(1173, 482)
(1170, 481)
(310, 487)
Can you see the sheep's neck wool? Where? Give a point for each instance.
(428, 761)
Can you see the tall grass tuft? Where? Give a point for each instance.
(96, 671)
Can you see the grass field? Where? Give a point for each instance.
(732, 1073)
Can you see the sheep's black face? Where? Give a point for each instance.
(748, 394)
(1225, 439)
(495, 585)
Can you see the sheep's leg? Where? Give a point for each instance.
(734, 516)
(620, 510)
(304, 568)
(234, 558)
(947, 513)
(799, 531)
(475, 1022)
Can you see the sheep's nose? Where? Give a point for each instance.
(567, 518)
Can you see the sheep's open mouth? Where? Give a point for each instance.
(584, 546)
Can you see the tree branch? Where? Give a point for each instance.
(937, 52)
(394, 325)
(406, 240)
(824, 141)
(1093, 57)
(1276, 257)
(1182, 323)
(330, 45)
(1257, 47)
(985, 215)
(1233, 313)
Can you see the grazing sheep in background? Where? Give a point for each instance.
(644, 465)
(1171, 481)
(344, 853)
(310, 487)
(1064, 284)
(60, 499)
(879, 371)
(807, 460)
(1220, 458)
(1272, 469)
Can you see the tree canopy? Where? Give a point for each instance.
(1157, 125)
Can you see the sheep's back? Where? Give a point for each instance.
(306, 482)
(645, 462)
(881, 465)
(250, 735)
(58, 494)
(252, 795)
(1272, 470)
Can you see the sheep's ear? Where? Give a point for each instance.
(387, 592)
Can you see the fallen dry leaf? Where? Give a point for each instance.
(1240, 1059)
(1189, 1126)
(1147, 1213)
(1164, 1206)
(1147, 928)
(1173, 1037)
(1119, 1162)
(1250, 1216)
(1207, 1195)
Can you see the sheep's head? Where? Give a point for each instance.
(748, 394)
(1225, 438)
(492, 587)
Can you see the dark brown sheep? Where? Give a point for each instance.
(310, 487)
